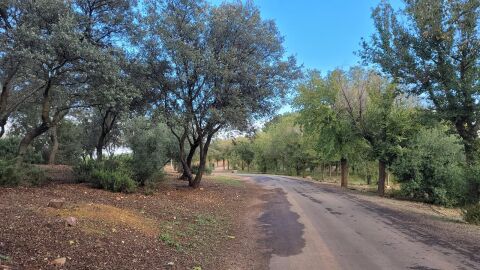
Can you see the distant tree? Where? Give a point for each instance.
(244, 148)
(226, 69)
(382, 117)
(282, 147)
(324, 115)
(431, 48)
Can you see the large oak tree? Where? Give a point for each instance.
(226, 69)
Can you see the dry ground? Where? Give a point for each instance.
(175, 228)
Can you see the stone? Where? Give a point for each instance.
(71, 221)
(59, 261)
(56, 203)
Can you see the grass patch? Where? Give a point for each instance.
(226, 180)
(197, 233)
(170, 241)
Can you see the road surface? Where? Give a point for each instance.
(314, 226)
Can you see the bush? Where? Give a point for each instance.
(27, 174)
(471, 214)
(113, 174)
(151, 146)
(9, 147)
(431, 168)
(114, 181)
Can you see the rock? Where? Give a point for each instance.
(59, 261)
(70, 221)
(170, 264)
(56, 203)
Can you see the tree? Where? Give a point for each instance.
(379, 114)
(226, 69)
(431, 48)
(324, 115)
(16, 59)
(67, 58)
(243, 147)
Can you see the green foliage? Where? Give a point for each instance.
(430, 169)
(282, 147)
(113, 174)
(425, 46)
(170, 241)
(116, 181)
(13, 175)
(208, 170)
(471, 214)
(9, 147)
(152, 147)
(325, 116)
(70, 146)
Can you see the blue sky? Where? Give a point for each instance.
(322, 34)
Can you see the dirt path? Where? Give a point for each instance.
(314, 226)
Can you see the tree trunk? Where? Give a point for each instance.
(323, 170)
(186, 169)
(195, 183)
(187, 174)
(27, 140)
(329, 170)
(381, 177)
(3, 107)
(369, 179)
(3, 123)
(223, 164)
(99, 150)
(108, 123)
(54, 148)
(344, 172)
(472, 160)
(2, 129)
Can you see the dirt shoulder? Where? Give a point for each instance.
(175, 228)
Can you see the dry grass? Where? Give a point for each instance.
(108, 215)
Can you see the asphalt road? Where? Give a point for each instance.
(312, 226)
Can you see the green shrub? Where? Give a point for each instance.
(114, 181)
(471, 214)
(113, 174)
(9, 147)
(26, 174)
(83, 170)
(208, 169)
(431, 168)
(152, 147)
